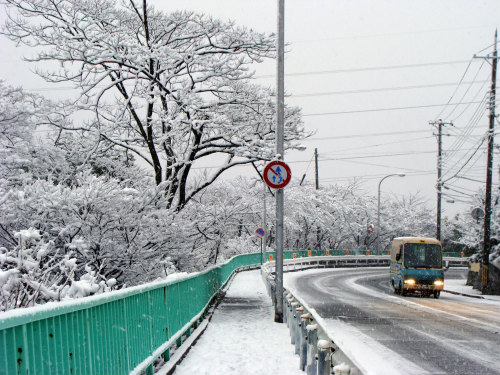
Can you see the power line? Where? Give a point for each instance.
(362, 135)
(376, 176)
(381, 155)
(463, 166)
(465, 93)
(382, 109)
(353, 70)
(476, 117)
(382, 165)
(456, 89)
(393, 88)
(368, 135)
(378, 145)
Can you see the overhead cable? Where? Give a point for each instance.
(382, 109)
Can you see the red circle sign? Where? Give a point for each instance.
(277, 174)
(260, 232)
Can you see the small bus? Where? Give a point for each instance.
(417, 266)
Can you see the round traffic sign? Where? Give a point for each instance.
(277, 174)
(260, 232)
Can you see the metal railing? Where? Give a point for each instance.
(114, 333)
(121, 332)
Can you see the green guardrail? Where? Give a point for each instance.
(118, 332)
(112, 333)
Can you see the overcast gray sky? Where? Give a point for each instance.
(350, 65)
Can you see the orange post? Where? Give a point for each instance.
(270, 256)
(347, 252)
(389, 252)
(309, 252)
(294, 255)
(328, 252)
(367, 252)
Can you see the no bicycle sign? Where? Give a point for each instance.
(277, 174)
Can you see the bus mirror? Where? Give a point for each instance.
(398, 256)
(446, 264)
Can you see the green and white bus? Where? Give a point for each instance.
(417, 266)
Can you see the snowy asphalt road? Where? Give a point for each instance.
(450, 335)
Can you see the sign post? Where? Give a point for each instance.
(280, 153)
(277, 175)
(260, 232)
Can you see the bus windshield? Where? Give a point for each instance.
(422, 255)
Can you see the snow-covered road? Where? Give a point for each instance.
(403, 335)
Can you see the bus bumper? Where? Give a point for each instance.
(417, 286)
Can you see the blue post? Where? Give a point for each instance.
(293, 321)
(304, 319)
(323, 357)
(298, 325)
(312, 349)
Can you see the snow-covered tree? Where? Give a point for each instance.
(172, 89)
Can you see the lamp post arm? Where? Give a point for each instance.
(378, 207)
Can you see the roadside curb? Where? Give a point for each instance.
(463, 294)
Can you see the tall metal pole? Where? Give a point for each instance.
(264, 220)
(489, 168)
(280, 126)
(378, 207)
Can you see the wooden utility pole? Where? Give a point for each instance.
(489, 169)
(439, 185)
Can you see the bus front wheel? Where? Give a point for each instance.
(404, 291)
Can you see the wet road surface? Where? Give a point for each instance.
(449, 335)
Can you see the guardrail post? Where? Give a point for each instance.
(269, 283)
(285, 308)
(323, 357)
(288, 313)
(312, 349)
(304, 319)
(293, 320)
(166, 355)
(298, 324)
(272, 284)
(150, 370)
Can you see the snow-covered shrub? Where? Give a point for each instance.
(36, 271)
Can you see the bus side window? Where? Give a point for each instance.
(398, 254)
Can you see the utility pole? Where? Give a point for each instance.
(489, 168)
(316, 167)
(316, 174)
(280, 126)
(439, 185)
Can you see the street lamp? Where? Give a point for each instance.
(378, 207)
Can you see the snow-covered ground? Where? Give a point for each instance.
(242, 337)
(458, 286)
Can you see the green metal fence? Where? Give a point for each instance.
(118, 332)
(113, 333)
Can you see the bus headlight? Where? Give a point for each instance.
(410, 281)
(439, 282)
